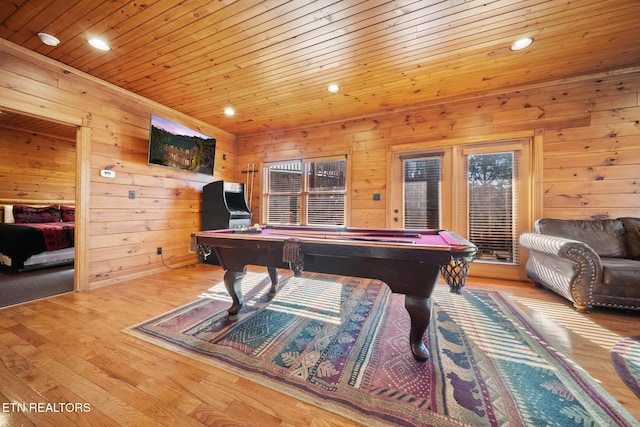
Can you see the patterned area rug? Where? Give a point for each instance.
(625, 356)
(342, 343)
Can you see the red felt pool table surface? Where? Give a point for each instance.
(418, 239)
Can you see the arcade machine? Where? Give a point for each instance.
(224, 205)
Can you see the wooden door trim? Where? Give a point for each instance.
(83, 178)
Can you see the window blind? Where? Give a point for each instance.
(327, 185)
(492, 195)
(284, 182)
(306, 192)
(421, 182)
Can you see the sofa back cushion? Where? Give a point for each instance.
(632, 237)
(605, 236)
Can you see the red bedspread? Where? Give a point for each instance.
(20, 241)
(57, 235)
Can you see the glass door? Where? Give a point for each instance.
(493, 196)
(421, 191)
(480, 191)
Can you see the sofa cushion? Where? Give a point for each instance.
(632, 237)
(605, 236)
(621, 277)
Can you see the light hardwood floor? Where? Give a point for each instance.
(71, 348)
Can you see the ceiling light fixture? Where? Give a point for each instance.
(48, 39)
(521, 43)
(99, 44)
(229, 112)
(333, 88)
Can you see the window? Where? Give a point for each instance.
(306, 192)
(284, 181)
(421, 191)
(491, 194)
(326, 183)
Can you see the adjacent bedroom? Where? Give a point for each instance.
(37, 208)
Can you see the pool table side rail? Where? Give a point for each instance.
(452, 242)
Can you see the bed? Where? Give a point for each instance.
(34, 237)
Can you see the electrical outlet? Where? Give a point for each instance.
(132, 194)
(159, 251)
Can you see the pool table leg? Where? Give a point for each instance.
(420, 314)
(232, 281)
(273, 274)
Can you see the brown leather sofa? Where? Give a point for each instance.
(589, 262)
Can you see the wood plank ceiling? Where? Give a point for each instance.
(272, 60)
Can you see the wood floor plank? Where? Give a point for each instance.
(72, 348)
(11, 417)
(20, 396)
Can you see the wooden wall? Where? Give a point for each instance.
(589, 127)
(36, 168)
(122, 234)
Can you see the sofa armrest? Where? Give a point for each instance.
(568, 267)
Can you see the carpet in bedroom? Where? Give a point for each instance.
(16, 288)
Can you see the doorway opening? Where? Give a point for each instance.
(39, 165)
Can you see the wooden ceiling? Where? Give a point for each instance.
(272, 59)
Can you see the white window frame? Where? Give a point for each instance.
(305, 192)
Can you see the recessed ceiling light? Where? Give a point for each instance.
(48, 39)
(229, 112)
(521, 43)
(333, 88)
(99, 44)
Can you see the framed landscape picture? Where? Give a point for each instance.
(176, 146)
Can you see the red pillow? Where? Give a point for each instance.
(68, 213)
(29, 214)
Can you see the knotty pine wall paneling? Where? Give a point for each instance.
(589, 127)
(36, 168)
(122, 234)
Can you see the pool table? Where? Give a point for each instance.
(408, 261)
